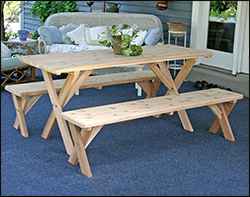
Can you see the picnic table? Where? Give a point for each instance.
(79, 65)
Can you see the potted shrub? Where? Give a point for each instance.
(120, 40)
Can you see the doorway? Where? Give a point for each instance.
(222, 32)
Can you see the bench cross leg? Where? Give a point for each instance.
(88, 134)
(26, 102)
(228, 106)
(222, 120)
(20, 115)
(80, 142)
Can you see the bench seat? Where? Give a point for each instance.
(37, 88)
(92, 119)
(29, 93)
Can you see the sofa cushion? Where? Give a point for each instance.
(78, 35)
(10, 63)
(5, 51)
(93, 32)
(51, 34)
(139, 40)
(154, 35)
(64, 30)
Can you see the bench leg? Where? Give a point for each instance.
(221, 115)
(87, 135)
(20, 115)
(216, 124)
(26, 106)
(80, 150)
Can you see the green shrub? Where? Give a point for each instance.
(46, 8)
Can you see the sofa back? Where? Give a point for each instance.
(144, 21)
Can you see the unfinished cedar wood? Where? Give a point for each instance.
(31, 92)
(36, 88)
(88, 60)
(107, 114)
(73, 63)
(91, 120)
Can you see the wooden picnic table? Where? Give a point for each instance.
(86, 61)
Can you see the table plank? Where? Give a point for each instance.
(87, 60)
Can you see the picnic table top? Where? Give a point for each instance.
(87, 60)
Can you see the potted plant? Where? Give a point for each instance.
(121, 41)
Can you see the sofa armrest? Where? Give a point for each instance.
(42, 42)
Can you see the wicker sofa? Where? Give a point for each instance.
(141, 21)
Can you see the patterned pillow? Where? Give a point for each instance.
(64, 30)
(5, 51)
(78, 35)
(50, 34)
(93, 32)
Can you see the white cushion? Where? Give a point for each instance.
(93, 32)
(5, 51)
(141, 36)
(78, 35)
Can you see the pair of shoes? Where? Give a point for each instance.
(201, 85)
(221, 87)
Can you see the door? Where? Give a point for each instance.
(220, 31)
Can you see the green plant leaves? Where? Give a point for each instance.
(127, 48)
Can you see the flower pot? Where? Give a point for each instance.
(178, 27)
(22, 34)
(116, 42)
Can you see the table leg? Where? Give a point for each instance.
(71, 85)
(71, 78)
(167, 80)
(183, 73)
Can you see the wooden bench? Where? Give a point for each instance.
(91, 120)
(29, 93)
